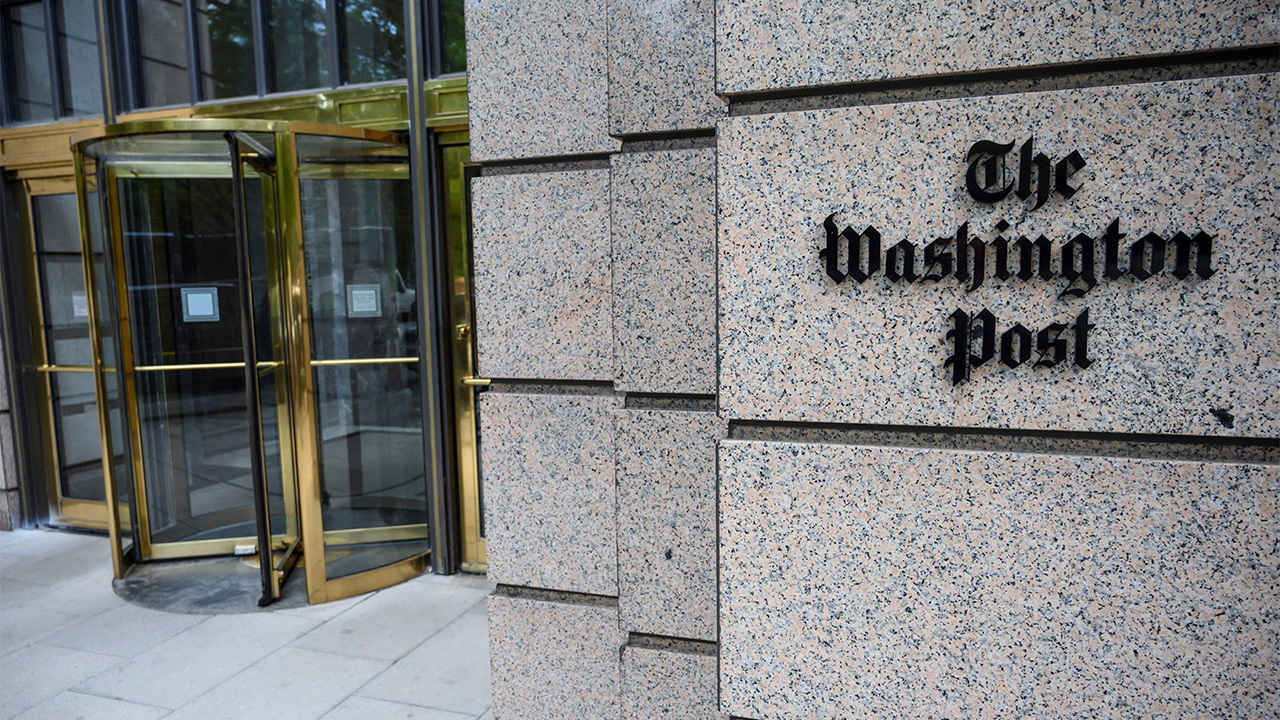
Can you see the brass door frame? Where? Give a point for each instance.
(455, 162)
(79, 512)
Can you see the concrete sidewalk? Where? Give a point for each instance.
(70, 648)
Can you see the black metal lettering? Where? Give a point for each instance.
(1050, 340)
(1081, 328)
(832, 251)
(902, 254)
(1111, 244)
(1203, 244)
(1023, 338)
(958, 361)
(1002, 251)
(1146, 257)
(1066, 167)
(971, 258)
(936, 255)
(1028, 251)
(984, 340)
(1077, 265)
(1043, 178)
(989, 157)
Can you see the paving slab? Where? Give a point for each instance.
(450, 671)
(289, 684)
(40, 672)
(393, 622)
(198, 659)
(363, 708)
(82, 706)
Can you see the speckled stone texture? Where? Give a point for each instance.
(765, 45)
(554, 661)
(1167, 353)
(537, 78)
(542, 275)
(889, 582)
(666, 521)
(662, 66)
(664, 273)
(550, 500)
(668, 685)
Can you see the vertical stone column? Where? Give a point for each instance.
(595, 316)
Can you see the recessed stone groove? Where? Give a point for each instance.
(660, 401)
(673, 644)
(551, 387)
(560, 596)
(1170, 447)
(1123, 71)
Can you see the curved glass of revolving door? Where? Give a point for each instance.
(262, 300)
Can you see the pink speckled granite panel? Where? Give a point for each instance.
(668, 685)
(554, 661)
(666, 521)
(537, 78)
(662, 66)
(891, 582)
(542, 275)
(766, 45)
(1167, 353)
(550, 497)
(664, 271)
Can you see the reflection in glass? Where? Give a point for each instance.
(453, 39)
(299, 43)
(179, 235)
(78, 46)
(65, 308)
(224, 34)
(27, 61)
(162, 53)
(361, 279)
(373, 46)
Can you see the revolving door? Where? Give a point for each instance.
(254, 304)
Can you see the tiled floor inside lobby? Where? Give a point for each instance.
(70, 648)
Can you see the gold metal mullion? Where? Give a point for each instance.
(298, 346)
(114, 244)
(284, 408)
(118, 561)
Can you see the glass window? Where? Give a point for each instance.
(78, 48)
(31, 94)
(453, 40)
(162, 53)
(373, 47)
(224, 34)
(300, 44)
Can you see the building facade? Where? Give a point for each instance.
(775, 360)
(870, 359)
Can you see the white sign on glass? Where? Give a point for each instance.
(79, 305)
(364, 301)
(200, 304)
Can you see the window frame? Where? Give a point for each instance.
(59, 74)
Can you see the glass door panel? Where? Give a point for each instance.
(361, 275)
(184, 303)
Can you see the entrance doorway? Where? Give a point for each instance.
(256, 311)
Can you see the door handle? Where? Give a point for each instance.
(476, 381)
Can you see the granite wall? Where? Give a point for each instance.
(764, 443)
